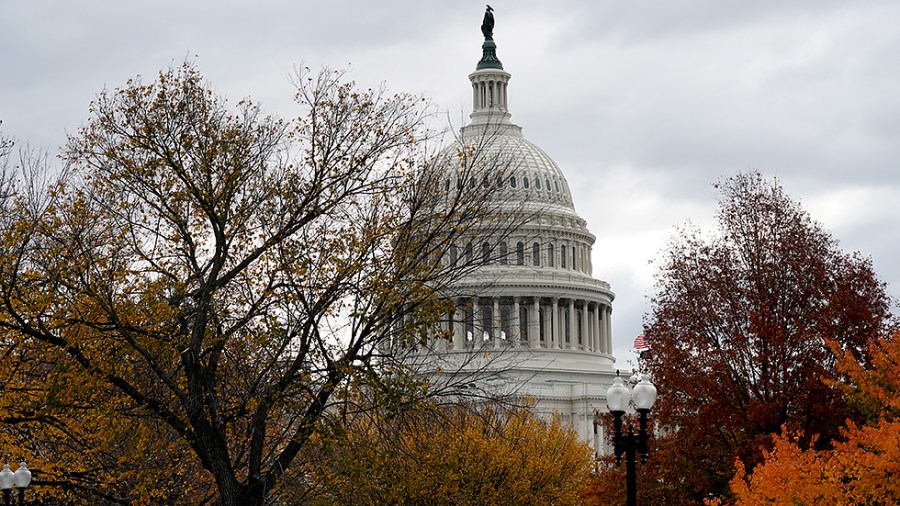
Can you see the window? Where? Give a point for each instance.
(520, 253)
(537, 183)
(504, 322)
(524, 324)
(512, 182)
(525, 183)
(487, 321)
(485, 253)
(535, 254)
(556, 183)
(550, 255)
(503, 253)
(562, 256)
(548, 186)
(454, 254)
(469, 253)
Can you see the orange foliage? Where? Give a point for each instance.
(860, 469)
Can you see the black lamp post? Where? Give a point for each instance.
(20, 479)
(643, 395)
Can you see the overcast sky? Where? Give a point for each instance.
(643, 104)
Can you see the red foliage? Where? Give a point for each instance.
(739, 326)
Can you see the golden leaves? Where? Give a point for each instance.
(453, 455)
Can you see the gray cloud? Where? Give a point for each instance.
(643, 104)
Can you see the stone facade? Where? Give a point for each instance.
(533, 316)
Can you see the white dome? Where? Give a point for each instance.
(531, 313)
(527, 173)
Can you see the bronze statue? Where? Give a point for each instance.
(487, 26)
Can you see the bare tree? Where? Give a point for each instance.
(206, 281)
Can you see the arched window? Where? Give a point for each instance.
(485, 253)
(537, 183)
(525, 182)
(447, 186)
(469, 253)
(550, 255)
(454, 254)
(512, 182)
(573, 257)
(520, 253)
(548, 186)
(562, 256)
(503, 253)
(535, 254)
(556, 183)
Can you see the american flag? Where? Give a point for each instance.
(640, 343)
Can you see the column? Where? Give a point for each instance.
(515, 326)
(534, 322)
(495, 323)
(608, 329)
(585, 329)
(595, 325)
(477, 324)
(573, 338)
(555, 325)
(459, 328)
(601, 314)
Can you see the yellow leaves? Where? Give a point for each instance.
(476, 455)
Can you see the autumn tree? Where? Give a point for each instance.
(452, 454)
(862, 465)
(179, 306)
(739, 328)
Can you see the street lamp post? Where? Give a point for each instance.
(20, 479)
(618, 397)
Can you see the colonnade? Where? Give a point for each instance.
(533, 322)
(489, 93)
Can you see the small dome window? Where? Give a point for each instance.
(536, 254)
(562, 256)
(520, 253)
(503, 253)
(512, 182)
(525, 182)
(447, 186)
(550, 255)
(499, 181)
(548, 186)
(537, 183)
(556, 183)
